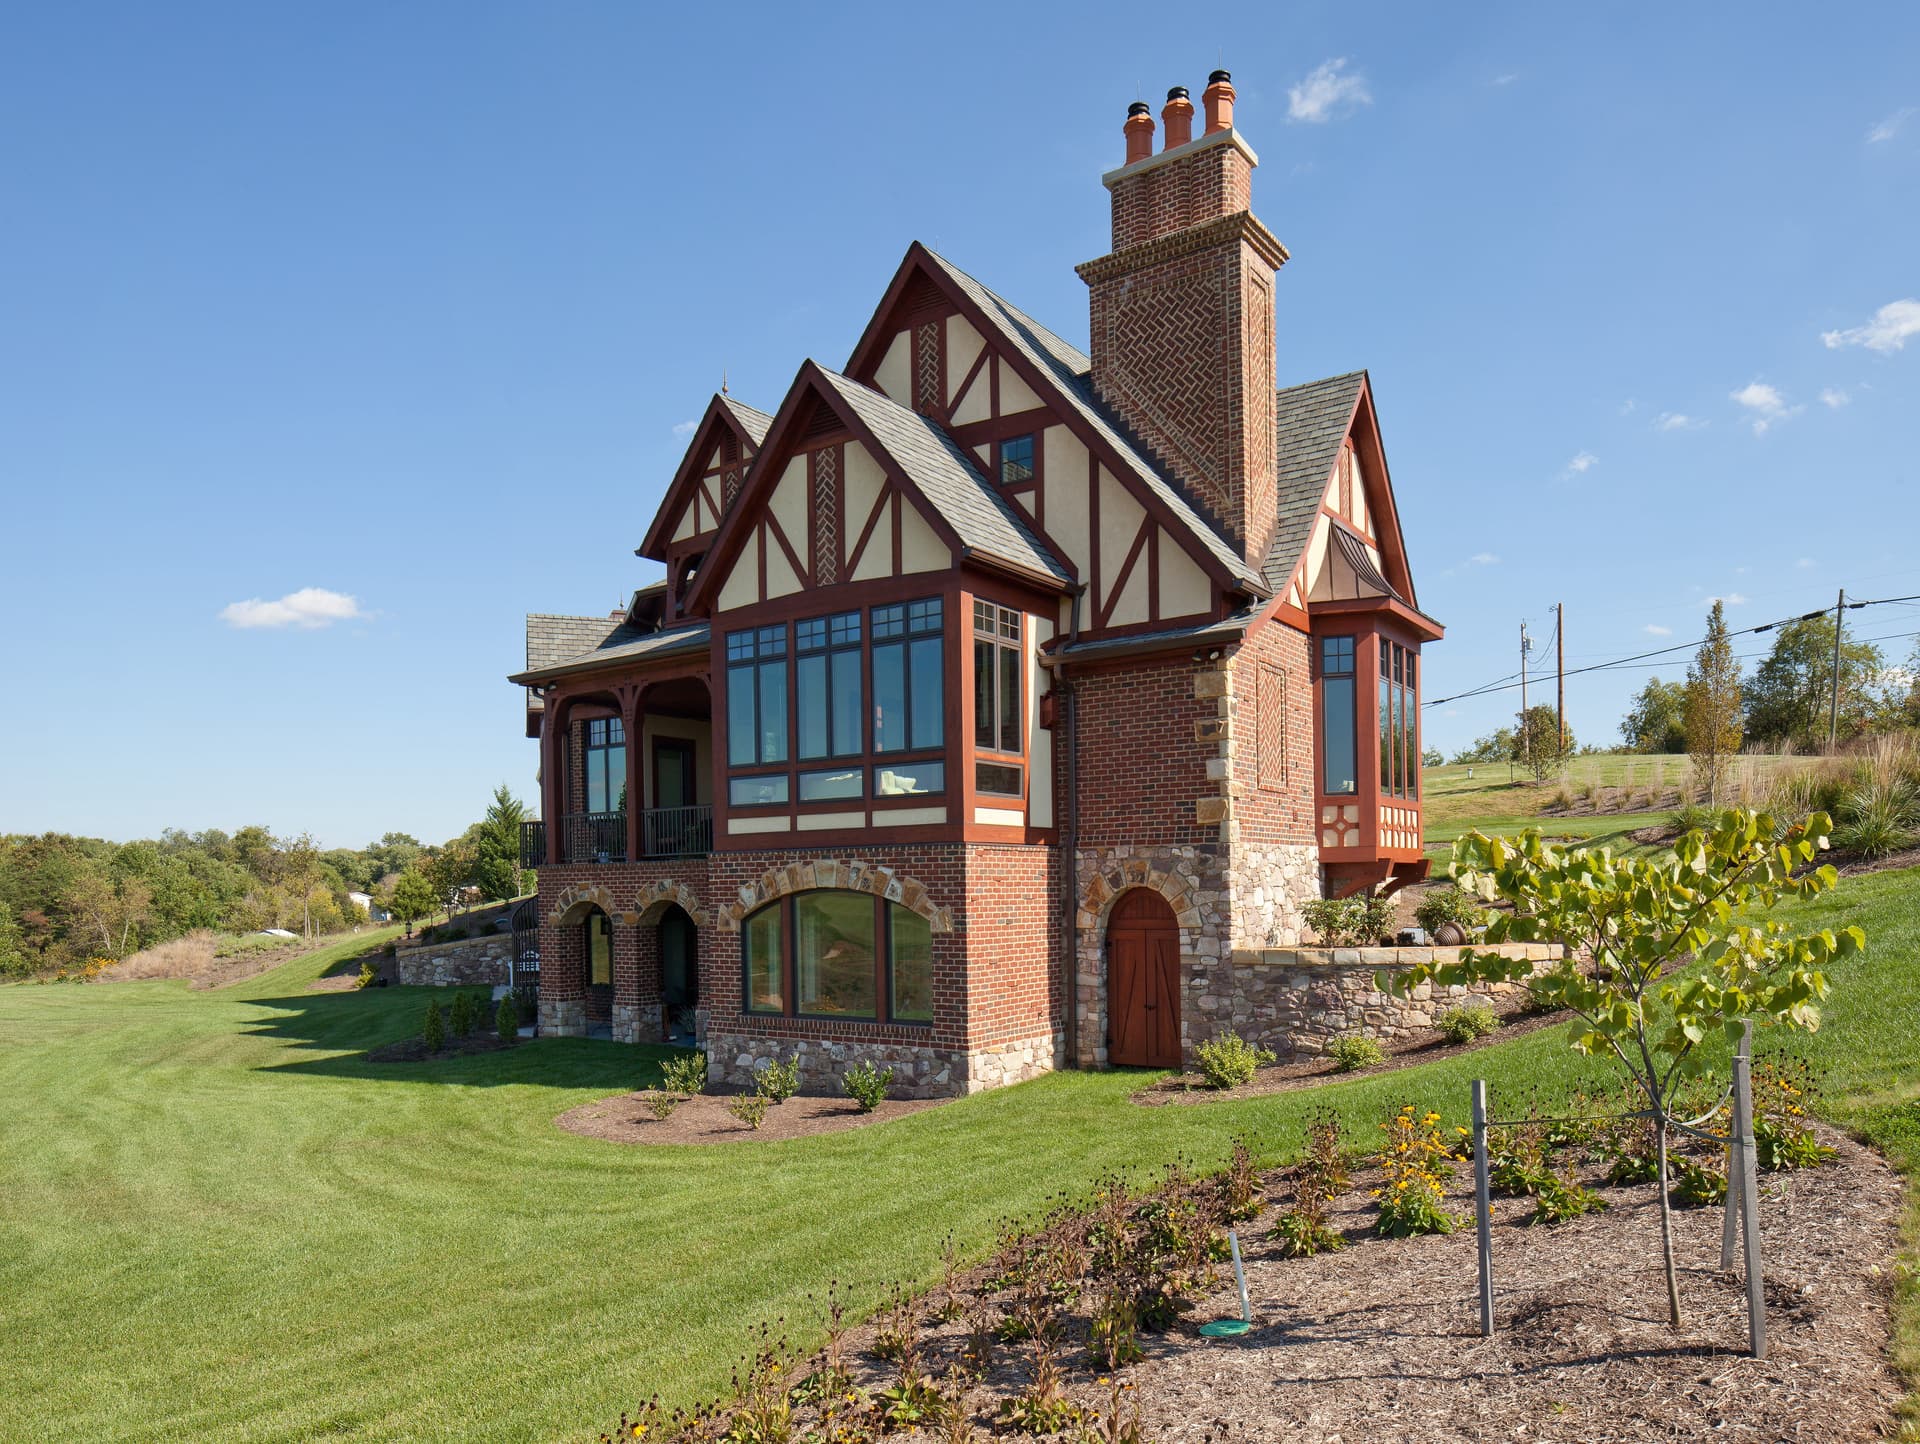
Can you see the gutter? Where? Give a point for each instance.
(1070, 871)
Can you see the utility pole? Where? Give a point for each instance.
(1526, 732)
(1833, 706)
(1560, 665)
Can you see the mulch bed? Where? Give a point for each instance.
(1380, 1340)
(1424, 1045)
(704, 1119)
(414, 1050)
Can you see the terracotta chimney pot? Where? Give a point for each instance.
(1218, 98)
(1139, 132)
(1178, 116)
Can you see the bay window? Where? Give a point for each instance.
(838, 954)
(997, 719)
(1399, 702)
(909, 689)
(1340, 761)
(829, 691)
(757, 696)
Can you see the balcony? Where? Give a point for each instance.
(601, 837)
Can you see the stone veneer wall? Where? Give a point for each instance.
(1296, 1001)
(456, 965)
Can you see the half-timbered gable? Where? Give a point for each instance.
(703, 490)
(1018, 398)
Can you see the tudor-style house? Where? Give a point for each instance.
(995, 692)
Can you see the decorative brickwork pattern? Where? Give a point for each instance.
(926, 368)
(853, 876)
(826, 516)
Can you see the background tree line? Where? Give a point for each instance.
(65, 899)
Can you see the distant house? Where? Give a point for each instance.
(364, 901)
(997, 693)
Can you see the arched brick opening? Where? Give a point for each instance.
(575, 903)
(852, 876)
(1101, 890)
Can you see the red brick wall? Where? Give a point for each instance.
(1267, 815)
(1141, 768)
(1014, 943)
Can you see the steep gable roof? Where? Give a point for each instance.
(959, 503)
(723, 412)
(1313, 419)
(980, 517)
(1069, 370)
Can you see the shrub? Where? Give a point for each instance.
(1227, 1060)
(506, 1019)
(1559, 1196)
(1356, 1051)
(1696, 1185)
(777, 1082)
(1346, 922)
(369, 975)
(1450, 905)
(460, 1015)
(1303, 1230)
(867, 1085)
(661, 1104)
(1240, 1185)
(684, 1073)
(433, 1032)
(750, 1108)
(1414, 1163)
(1880, 815)
(1466, 1022)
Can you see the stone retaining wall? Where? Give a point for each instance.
(918, 1072)
(1296, 1001)
(477, 961)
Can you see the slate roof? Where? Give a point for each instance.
(1312, 422)
(553, 638)
(946, 476)
(620, 643)
(1071, 370)
(754, 422)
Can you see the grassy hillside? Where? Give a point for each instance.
(222, 1223)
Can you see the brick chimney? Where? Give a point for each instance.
(1182, 313)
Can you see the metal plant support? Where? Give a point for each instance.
(1742, 1209)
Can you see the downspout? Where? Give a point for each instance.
(1070, 848)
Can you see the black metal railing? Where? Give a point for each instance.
(533, 844)
(596, 837)
(677, 831)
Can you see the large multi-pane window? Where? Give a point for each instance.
(909, 687)
(1399, 703)
(828, 690)
(1340, 752)
(837, 954)
(605, 757)
(757, 696)
(997, 720)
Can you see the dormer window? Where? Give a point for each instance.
(1016, 460)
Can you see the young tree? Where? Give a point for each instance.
(1626, 927)
(1791, 692)
(496, 840)
(1498, 746)
(107, 907)
(1657, 721)
(14, 959)
(1539, 743)
(413, 898)
(1713, 706)
(450, 870)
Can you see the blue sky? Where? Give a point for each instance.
(405, 303)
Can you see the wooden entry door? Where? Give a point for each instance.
(1143, 982)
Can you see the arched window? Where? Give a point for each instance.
(835, 954)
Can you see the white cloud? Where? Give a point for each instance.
(1581, 464)
(681, 428)
(1766, 404)
(1890, 329)
(1654, 629)
(1731, 599)
(1483, 559)
(1629, 406)
(1507, 79)
(310, 607)
(1804, 563)
(1890, 127)
(1328, 91)
(1834, 398)
(1677, 421)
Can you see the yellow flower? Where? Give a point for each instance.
(638, 1430)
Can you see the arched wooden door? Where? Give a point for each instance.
(1143, 982)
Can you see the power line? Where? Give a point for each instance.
(1620, 662)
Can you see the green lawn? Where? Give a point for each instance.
(219, 1223)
